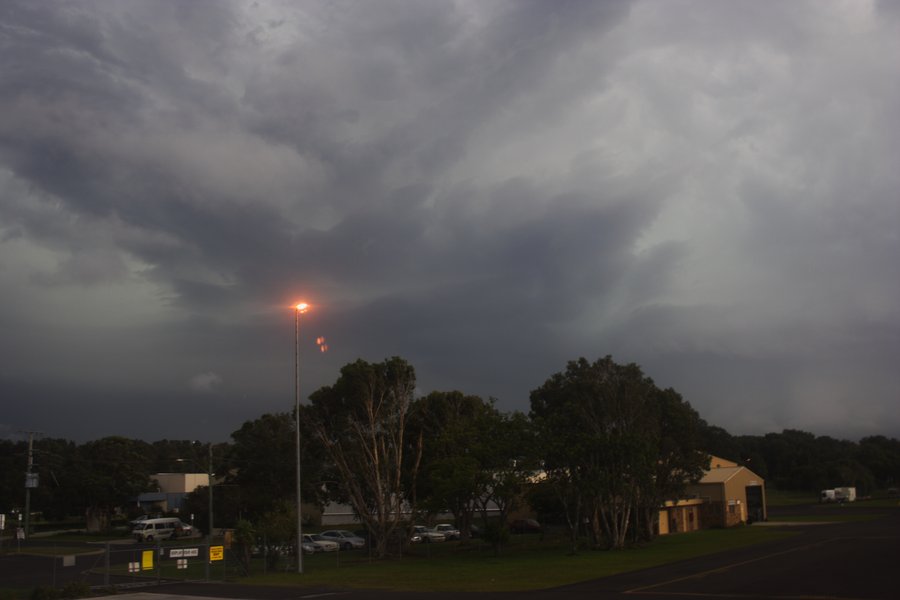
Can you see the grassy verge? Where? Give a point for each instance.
(873, 503)
(793, 498)
(525, 564)
(825, 518)
(55, 550)
(789, 498)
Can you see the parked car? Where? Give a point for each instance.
(450, 532)
(346, 539)
(318, 543)
(423, 534)
(525, 526)
(149, 530)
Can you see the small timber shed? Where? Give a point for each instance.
(732, 494)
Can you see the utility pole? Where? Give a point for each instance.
(31, 481)
(210, 477)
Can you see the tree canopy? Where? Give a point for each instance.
(362, 424)
(614, 445)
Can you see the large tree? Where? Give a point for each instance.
(12, 475)
(262, 461)
(508, 459)
(115, 469)
(599, 431)
(681, 458)
(455, 427)
(262, 465)
(361, 422)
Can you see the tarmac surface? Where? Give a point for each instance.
(825, 561)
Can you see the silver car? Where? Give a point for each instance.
(450, 532)
(423, 534)
(318, 543)
(346, 539)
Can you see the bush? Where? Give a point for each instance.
(44, 593)
(75, 589)
(71, 591)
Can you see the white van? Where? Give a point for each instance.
(165, 528)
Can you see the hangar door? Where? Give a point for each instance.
(755, 509)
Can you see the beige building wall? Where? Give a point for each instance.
(680, 517)
(181, 483)
(724, 487)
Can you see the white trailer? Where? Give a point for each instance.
(839, 494)
(845, 494)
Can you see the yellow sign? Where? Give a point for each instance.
(216, 553)
(147, 560)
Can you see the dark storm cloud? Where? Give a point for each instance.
(485, 189)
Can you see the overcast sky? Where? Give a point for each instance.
(486, 189)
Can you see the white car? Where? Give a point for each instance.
(346, 539)
(150, 530)
(450, 532)
(319, 543)
(308, 548)
(423, 534)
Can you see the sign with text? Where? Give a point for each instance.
(216, 553)
(184, 552)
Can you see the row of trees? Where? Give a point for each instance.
(601, 437)
(602, 445)
(92, 478)
(802, 461)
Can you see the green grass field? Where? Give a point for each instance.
(874, 503)
(525, 564)
(775, 497)
(789, 498)
(825, 518)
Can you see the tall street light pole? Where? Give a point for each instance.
(300, 308)
(209, 480)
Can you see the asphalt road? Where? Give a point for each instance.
(836, 561)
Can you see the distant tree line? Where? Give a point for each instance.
(801, 461)
(93, 478)
(599, 451)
